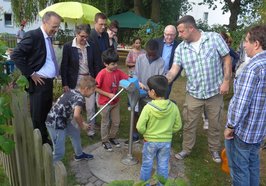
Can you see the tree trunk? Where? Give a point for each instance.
(155, 10)
(234, 8)
(138, 7)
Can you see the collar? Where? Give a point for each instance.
(204, 37)
(167, 44)
(44, 33)
(74, 43)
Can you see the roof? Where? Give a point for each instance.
(130, 20)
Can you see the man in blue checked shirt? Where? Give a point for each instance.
(207, 63)
(246, 122)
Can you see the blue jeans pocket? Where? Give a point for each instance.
(241, 144)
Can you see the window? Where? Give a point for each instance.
(205, 17)
(8, 19)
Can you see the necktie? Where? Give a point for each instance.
(53, 56)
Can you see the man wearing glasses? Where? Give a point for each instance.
(79, 60)
(112, 33)
(35, 58)
(167, 46)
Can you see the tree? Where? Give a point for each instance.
(239, 10)
(262, 12)
(163, 11)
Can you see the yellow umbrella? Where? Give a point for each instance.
(73, 11)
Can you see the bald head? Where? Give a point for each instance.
(169, 34)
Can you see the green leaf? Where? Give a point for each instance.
(141, 183)
(3, 104)
(22, 82)
(161, 179)
(174, 182)
(7, 129)
(121, 183)
(6, 145)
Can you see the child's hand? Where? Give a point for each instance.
(86, 126)
(111, 95)
(142, 86)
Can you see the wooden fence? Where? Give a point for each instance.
(10, 40)
(30, 164)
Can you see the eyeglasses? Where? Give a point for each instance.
(115, 32)
(83, 36)
(170, 35)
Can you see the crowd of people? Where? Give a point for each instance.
(90, 79)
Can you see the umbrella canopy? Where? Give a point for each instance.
(130, 20)
(73, 11)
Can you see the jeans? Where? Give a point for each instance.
(160, 150)
(58, 138)
(244, 162)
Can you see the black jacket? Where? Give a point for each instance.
(175, 44)
(30, 53)
(70, 64)
(94, 39)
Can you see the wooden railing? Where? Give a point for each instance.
(30, 163)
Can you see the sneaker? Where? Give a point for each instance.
(216, 156)
(129, 108)
(181, 155)
(135, 140)
(115, 142)
(205, 124)
(107, 146)
(83, 156)
(91, 133)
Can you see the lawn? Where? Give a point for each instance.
(200, 169)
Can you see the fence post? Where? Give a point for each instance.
(30, 151)
(19, 102)
(37, 137)
(48, 165)
(60, 174)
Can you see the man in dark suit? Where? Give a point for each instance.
(35, 58)
(79, 60)
(167, 46)
(100, 37)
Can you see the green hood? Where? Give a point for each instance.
(160, 108)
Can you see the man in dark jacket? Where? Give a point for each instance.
(35, 58)
(167, 46)
(100, 37)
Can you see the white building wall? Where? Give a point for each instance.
(12, 28)
(214, 16)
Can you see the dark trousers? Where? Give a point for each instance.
(41, 99)
(169, 90)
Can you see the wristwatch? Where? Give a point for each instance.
(230, 126)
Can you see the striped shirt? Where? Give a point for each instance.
(247, 109)
(204, 69)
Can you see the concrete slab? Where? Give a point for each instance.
(107, 166)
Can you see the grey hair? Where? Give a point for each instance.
(170, 27)
(83, 27)
(46, 17)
